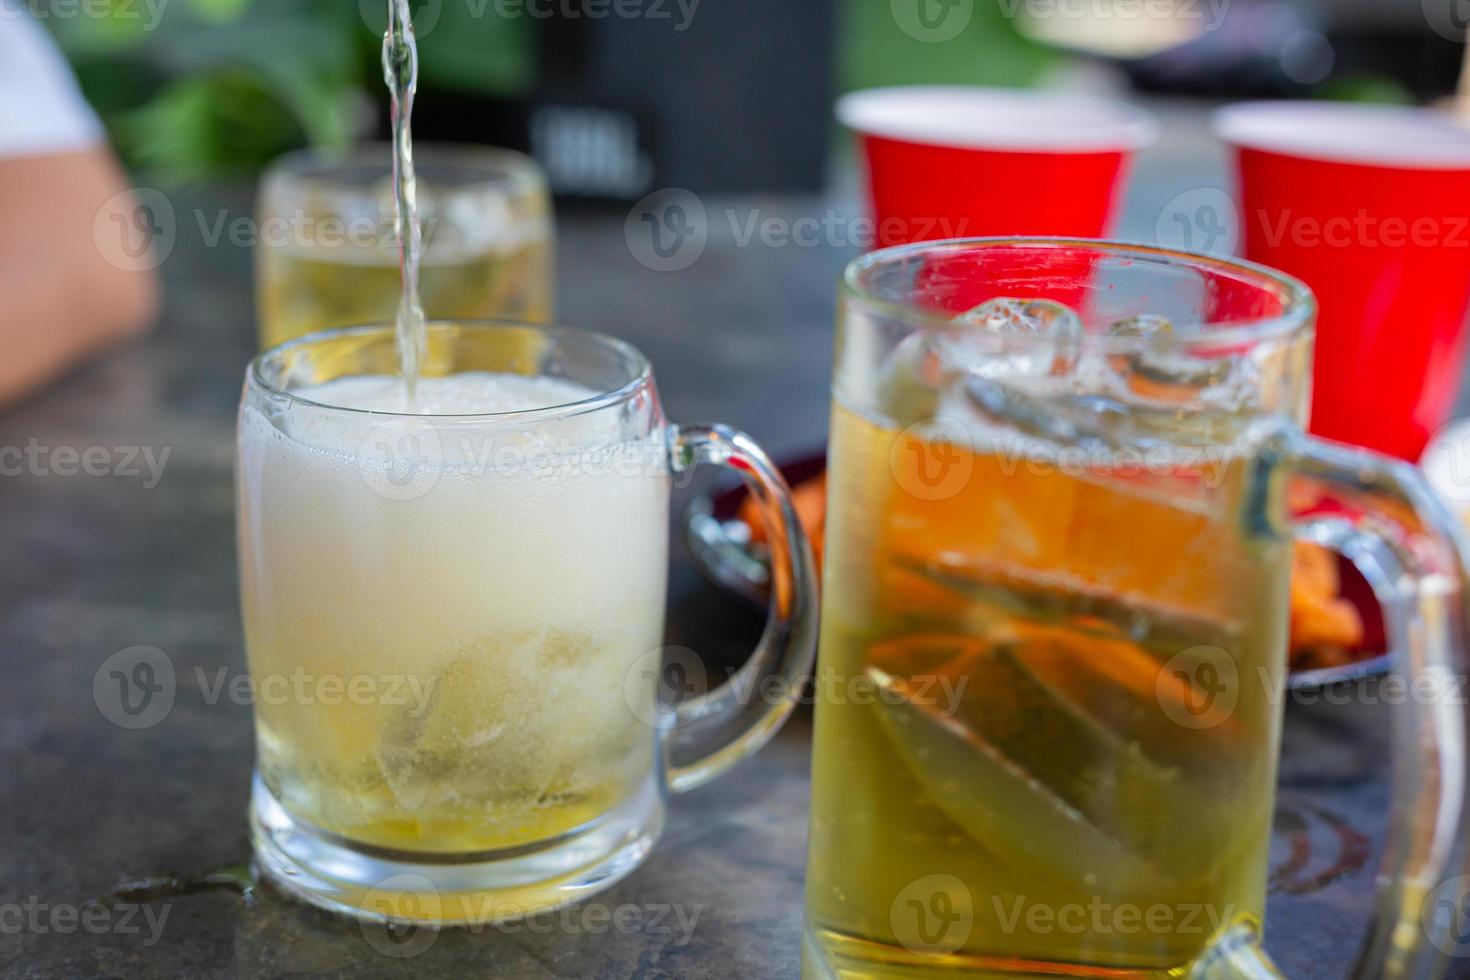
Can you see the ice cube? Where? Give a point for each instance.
(910, 380)
(406, 764)
(484, 738)
(979, 354)
(1093, 422)
(1167, 375)
(1102, 424)
(1142, 328)
(915, 377)
(1145, 326)
(1173, 454)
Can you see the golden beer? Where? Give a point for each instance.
(307, 289)
(328, 253)
(1045, 727)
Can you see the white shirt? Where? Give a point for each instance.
(41, 107)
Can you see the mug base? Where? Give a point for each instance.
(831, 955)
(378, 885)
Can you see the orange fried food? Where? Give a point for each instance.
(1325, 627)
(810, 500)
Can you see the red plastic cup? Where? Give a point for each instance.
(961, 161)
(1370, 206)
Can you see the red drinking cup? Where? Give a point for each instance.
(1370, 206)
(961, 161)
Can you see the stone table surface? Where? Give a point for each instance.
(97, 564)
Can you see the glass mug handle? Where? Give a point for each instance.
(1423, 589)
(712, 732)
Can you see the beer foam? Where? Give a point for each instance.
(467, 393)
(465, 424)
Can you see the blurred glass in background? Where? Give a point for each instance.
(328, 254)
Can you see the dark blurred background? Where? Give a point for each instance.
(616, 97)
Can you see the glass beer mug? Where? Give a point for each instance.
(454, 611)
(1055, 614)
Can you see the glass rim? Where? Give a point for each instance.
(1299, 305)
(501, 169)
(641, 370)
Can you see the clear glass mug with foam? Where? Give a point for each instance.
(453, 616)
(1052, 665)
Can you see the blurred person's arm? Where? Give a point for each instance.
(65, 292)
(61, 297)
